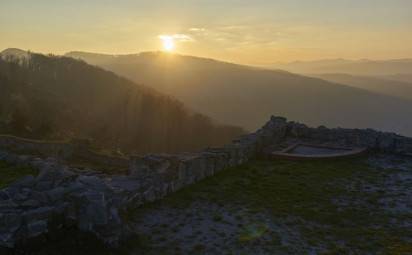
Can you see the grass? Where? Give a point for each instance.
(9, 174)
(306, 190)
(278, 185)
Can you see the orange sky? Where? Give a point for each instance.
(251, 32)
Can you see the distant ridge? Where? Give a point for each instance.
(14, 52)
(380, 84)
(358, 67)
(246, 96)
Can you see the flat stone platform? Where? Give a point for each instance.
(313, 151)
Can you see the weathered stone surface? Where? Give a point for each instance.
(36, 228)
(93, 182)
(149, 195)
(40, 213)
(8, 205)
(31, 203)
(56, 194)
(4, 195)
(125, 183)
(9, 224)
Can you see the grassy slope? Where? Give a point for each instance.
(306, 191)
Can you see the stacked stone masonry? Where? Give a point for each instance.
(61, 196)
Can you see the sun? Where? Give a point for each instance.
(168, 43)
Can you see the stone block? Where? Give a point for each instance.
(40, 213)
(57, 194)
(36, 228)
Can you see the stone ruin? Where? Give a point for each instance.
(64, 197)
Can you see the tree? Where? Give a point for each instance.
(19, 121)
(45, 128)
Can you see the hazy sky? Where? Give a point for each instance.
(245, 31)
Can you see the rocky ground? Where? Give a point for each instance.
(360, 206)
(347, 206)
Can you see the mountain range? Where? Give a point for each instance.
(380, 84)
(246, 96)
(395, 67)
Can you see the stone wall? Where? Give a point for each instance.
(165, 173)
(372, 139)
(61, 196)
(173, 172)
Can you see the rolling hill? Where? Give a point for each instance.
(366, 67)
(14, 53)
(247, 96)
(54, 97)
(400, 77)
(381, 85)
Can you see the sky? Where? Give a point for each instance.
(258, 32)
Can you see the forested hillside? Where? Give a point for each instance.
(49, 97)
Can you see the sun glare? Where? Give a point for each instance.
(168, 43)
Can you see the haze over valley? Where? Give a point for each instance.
(366, 67)
(245, 96)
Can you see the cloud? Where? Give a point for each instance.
(264, 35)
(236, 36)
(197, 29)
(176, 37)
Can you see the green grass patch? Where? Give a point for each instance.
(306, 190)
(9, 173)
